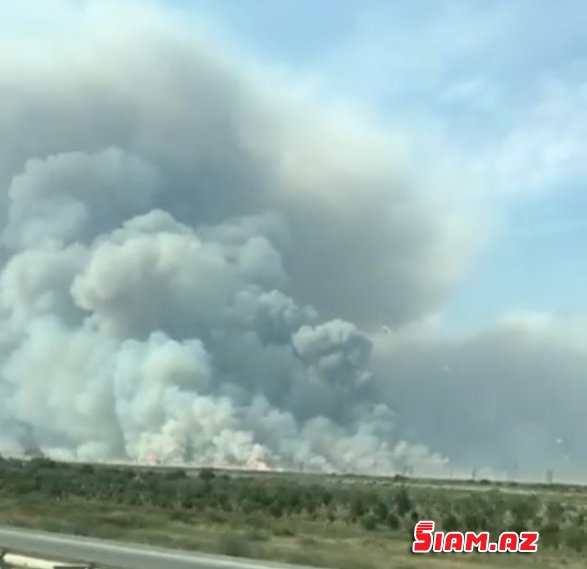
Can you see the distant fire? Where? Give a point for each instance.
(257, 464)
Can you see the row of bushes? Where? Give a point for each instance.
(394, 506)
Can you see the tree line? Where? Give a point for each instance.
(393, 506)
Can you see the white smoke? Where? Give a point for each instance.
(183, 244)
(195, 260)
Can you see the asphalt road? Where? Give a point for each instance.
(118, 555)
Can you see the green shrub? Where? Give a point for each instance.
(575, 538)
(403, 501)
(235, 545)
(256, 535)
(450, 522)
(306, 541)
(180, 516)
(550, 535)
(393, 521)
(207, 474)
(283, 532)
(369, 522)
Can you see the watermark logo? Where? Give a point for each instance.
(426, 540)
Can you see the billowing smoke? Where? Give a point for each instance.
(185, 250)
(196, 261)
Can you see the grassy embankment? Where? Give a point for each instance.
(338, 522)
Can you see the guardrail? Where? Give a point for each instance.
(10, 560)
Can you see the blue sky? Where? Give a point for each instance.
(497, 90)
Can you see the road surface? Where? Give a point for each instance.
(119, 555)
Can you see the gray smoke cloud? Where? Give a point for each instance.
(192, 258)
(196, 262)
(510, 397)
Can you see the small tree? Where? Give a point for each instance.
(369, 522)
(207, 474)
(393, 521)
(276, 509)
(450, 522)
(575, 538)
(357, 509)
(381, 511)
(550, 535)
(555, 511)
(403, 501)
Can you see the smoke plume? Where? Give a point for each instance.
(196, 262)
(192, 259)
